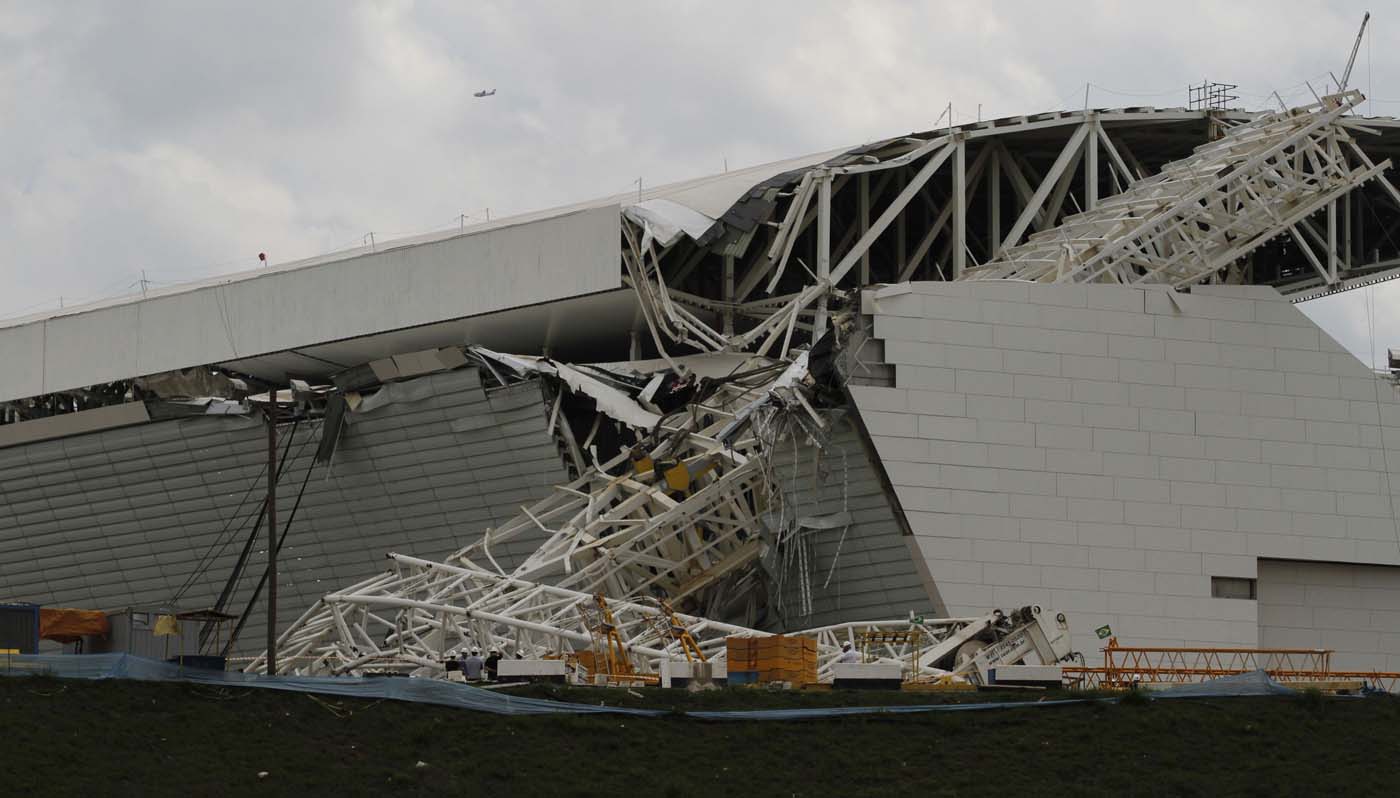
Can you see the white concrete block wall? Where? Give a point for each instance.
(1352, 609)
(1106, 450)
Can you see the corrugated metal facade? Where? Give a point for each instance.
(123, 517)
(875, 575)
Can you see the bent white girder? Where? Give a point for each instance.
(672, 520)
(407, 619)
(1182, 226)
(682, 513)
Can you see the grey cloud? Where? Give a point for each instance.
(183, 139)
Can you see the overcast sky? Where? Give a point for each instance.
(184, 138)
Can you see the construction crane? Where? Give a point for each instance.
(1351, 62)
(672, 630)
(910, 640)
(609, 655)
(1026, 636)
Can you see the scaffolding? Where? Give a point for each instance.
(1211, 96)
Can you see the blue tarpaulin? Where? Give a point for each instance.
(465, 696)
(424, 691)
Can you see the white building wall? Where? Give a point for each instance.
(1352, 609)
(1106, 450)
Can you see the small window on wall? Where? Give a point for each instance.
(1233, 587)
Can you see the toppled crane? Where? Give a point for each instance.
(1201, 215)
(404, 620)
(674, 513)
(667, 520)
(675, 507)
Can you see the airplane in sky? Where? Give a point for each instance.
(485, 93)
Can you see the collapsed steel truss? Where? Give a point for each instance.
(679, 516)
(1199, 219)
(406, 619)
(1202, 214)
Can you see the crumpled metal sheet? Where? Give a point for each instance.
(610, 401)
(668, 220)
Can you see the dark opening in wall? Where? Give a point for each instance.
(1234, 587)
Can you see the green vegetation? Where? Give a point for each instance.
(132, 738)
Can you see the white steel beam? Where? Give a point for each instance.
(959, 207)
(864, 227)
(1046, 186)
(823, 249)
(994, 201)
(1091, 168)
(891, 211)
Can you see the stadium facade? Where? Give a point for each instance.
(1162, 444)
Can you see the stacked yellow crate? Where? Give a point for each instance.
(741, 655)
(786, 659)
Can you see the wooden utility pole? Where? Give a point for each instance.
(272, 532)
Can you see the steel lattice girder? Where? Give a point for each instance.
(404, 620)
(674, 532)
(1202, 213)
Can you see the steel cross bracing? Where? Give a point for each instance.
(1198, 219)
(1199, 215)
(406, 619)
(682, 515)
(667, 522)
(674, 517)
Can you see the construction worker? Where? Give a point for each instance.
(473, 666)
(493, 662)
(848, 654)
(451, 663)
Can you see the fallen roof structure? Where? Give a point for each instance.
(670, 531)
(741, 331)
(729, 249)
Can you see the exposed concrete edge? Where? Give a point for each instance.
(68, 424)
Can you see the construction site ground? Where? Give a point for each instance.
(126, 738)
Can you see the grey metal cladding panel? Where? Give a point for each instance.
(56, 475)
(532, 413)
(185, 480)
(79, 446)
(402, 463)
(13, 459)
(524, 394)
(423, 428)
(99, 491)
(444, 469)
(46, 454)
(466, 397)
(873, 575)
(475, 447)
(350, 480)
(463, 380)
(379, 422)
(18, 489)
(35, 506)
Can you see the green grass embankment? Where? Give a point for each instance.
(131, 738)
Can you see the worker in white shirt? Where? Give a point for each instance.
(848, 654)
(473, 666)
